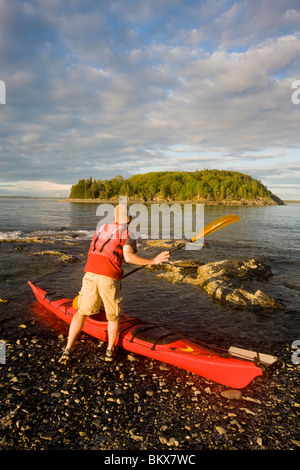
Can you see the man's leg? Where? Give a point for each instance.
(110, 292)
(88, 298)
(75, 329)
(88, 302)
(112, 332)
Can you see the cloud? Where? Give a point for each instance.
(39, 188)
(119, 87)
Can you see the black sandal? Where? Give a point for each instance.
(108, 356)
(65, 357)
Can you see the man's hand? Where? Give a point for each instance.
(131, 257)
(161, 258)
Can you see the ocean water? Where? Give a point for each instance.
(35, 232)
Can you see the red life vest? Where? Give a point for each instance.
(109, 241)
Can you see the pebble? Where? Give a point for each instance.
(132, 358)
(250, 412)
(221, 430)
(171, 442)
(164, 367)
(232, 394)
(297, 443)
(48, 436)
(134, 436)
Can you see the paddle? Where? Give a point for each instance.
(207, 230)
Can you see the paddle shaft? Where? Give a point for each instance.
(210, 228)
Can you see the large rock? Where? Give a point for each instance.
(224, 281)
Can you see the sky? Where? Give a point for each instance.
(123, 87)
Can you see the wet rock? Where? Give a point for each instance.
(63, 256)
(26, 240)
(161, 244)
(223, 280)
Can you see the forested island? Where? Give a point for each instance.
(203, 186)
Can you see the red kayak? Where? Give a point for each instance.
(236, 369)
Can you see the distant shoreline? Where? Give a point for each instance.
(262, 202)
(287, 201)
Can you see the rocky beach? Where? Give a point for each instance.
(135, 403)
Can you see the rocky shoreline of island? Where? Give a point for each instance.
(259, 202)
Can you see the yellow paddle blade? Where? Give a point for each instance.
(216, 225)
(75, 303)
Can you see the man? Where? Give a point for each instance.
(102, 279)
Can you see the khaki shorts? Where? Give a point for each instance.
(96, 288)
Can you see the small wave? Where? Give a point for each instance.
(63, 234)
(14, 235)
(51, 235)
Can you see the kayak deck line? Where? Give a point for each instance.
(235, 368)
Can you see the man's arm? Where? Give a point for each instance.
(131, 257)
